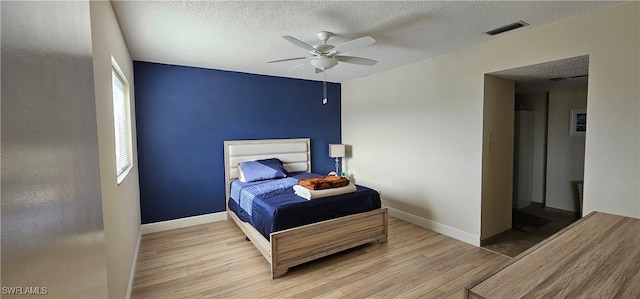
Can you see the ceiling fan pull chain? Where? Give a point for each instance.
(324, 87)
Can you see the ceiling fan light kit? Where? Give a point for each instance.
(324, 63)
(326, 56)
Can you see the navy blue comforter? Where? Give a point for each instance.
(278, 208)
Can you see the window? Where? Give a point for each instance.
(121, 122)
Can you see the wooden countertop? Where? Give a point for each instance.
(595, 257)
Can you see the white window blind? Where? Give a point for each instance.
(121, 123)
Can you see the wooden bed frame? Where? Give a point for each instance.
(299, 245)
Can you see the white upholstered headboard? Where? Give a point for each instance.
(295, 155)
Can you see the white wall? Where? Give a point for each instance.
(612, 145)
(52, 229)
(416, 130)
(120, 203)
(537, 103)
(497, 162)
(565, 154)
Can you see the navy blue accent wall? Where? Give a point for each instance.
(184, 114)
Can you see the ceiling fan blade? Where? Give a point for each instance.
(295, 66)
(356, 60)
(287, 59)
(299, 43)
(354, 44)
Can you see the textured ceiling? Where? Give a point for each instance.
(572, 71)
(558, 69)
(243, 35)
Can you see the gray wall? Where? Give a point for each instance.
(52, 231)
(565, 154)
(120, 202)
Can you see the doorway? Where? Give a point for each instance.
(547, 160)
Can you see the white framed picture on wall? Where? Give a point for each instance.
(578, 122)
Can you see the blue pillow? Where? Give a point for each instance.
(251, 171)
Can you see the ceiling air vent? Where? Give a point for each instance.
(506, 28)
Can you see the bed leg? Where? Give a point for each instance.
(382, 240)
(277, 272)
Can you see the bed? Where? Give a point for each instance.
(285, 248)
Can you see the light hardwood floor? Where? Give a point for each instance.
(214, 260)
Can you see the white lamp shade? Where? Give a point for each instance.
(337, 150)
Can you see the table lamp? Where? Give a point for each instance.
(337, 151)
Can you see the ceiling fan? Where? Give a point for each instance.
(325, 56)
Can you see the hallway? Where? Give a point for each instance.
(530, 225)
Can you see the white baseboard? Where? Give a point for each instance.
(182, 222)
(134, 263)
(436, 227)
